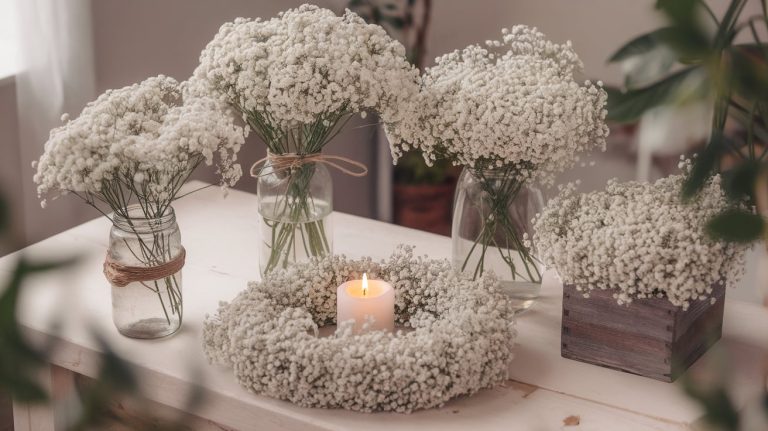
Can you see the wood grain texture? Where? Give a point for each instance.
(650, 337)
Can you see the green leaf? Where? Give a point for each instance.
(625, 107)
(115, 379)
(704, 165)
(395, 21)
(4, 214)
(725, 33)
(640, 45)
(711, 394)
(18, 360)
(688, 35)
(735, 225)
(739, 182)
(742, 115)
(765, 402)
(748, 71)
(653, 58)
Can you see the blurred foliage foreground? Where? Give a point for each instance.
(697, 58)
(99, 399)
(709, 66)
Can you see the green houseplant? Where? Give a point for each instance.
(699, 57)
(423, 194)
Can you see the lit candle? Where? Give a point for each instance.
(358, 299)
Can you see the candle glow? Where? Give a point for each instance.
(364, 300)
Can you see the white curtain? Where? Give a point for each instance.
(57, 76)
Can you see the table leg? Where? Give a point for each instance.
(58, 412)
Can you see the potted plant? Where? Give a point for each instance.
(644, 284)
(700, 60)
(422, 193)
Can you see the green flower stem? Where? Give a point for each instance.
(295, 206)
(119, 192)
(294, 211)
(498, 193)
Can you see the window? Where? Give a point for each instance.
(9, 55)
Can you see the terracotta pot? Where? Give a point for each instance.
(425, 206)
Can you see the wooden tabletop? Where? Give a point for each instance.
(545, 391)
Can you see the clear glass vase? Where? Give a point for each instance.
(153, 308)
(492, 212)
(295, 206)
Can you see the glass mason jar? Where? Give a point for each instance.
(491, 213)
(154, 308)
(295, 206)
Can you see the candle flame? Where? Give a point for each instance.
(365, 284)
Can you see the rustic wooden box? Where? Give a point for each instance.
(649, 337)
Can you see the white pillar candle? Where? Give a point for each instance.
(358, 299)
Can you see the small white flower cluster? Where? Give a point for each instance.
(147, 135)
(461, 342)
(639, 240)
(511, 103)
(304, 64)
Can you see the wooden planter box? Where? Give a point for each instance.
(649, 337)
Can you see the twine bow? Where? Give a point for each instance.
(122, 275)
(287, 161)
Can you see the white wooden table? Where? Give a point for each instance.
(220, 236)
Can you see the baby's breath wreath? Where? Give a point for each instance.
(461, 338)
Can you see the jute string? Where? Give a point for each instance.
(287, 161)
(122, 275)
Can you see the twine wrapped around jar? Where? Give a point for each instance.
(123, 275)
(287, 161)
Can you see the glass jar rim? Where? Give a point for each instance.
(138, 221)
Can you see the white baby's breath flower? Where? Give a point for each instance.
(461, 341)
(305, 66)
(150, 133)
(513, 102)
(639, 240)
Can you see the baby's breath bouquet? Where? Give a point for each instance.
(296, 79)
(128, 154)
(512, 113)
(639, 240)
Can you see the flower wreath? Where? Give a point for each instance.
(461, 338)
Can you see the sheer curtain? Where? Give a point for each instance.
(57, 76)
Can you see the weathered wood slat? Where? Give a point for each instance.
(649, 337)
